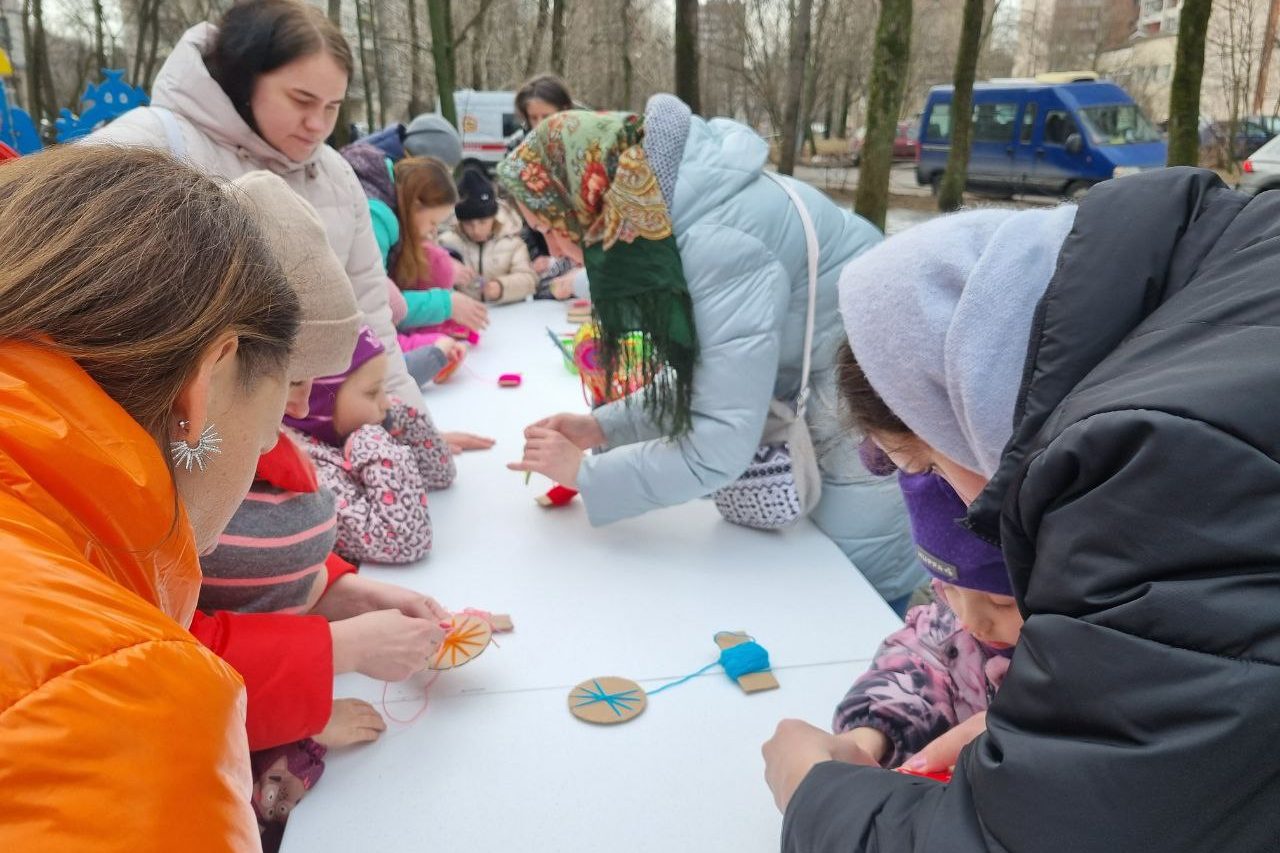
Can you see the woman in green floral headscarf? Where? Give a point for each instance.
(685, 241)
(585, 178)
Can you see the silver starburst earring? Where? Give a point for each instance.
(185, 456)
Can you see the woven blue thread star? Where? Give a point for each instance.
(617, 702)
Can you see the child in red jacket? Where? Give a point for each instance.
(288, 614)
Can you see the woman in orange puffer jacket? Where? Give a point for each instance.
(131, 422)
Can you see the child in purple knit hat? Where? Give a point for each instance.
(948, 660)
(377, 455)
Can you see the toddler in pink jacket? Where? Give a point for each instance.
(946, 664)
(379, 456)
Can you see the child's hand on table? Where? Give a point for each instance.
(352, 721)
(448, 346)
(469, 312)
(385, 644)
(562, 287)
(460, 442)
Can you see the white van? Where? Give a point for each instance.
(488, 125)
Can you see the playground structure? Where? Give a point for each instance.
(100, 103)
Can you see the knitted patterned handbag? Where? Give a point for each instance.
(782, 483)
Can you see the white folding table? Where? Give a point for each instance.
(496, 762)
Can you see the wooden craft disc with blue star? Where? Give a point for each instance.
(607, 700)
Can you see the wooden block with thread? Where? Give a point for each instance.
(752, 682)
(501, 623)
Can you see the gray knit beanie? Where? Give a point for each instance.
(330, 318)
(429, 135)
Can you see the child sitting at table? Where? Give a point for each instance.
(487, 237)
(945, 665)
(407, 202)
(378, 456)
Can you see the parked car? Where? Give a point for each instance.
(1042, 137)
(904, 141)
(1215, 150)
(1261, 169)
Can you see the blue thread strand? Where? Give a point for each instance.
(683, 680)
(739, 660)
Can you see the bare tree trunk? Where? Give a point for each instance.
(138, 48)
(417, 105)
(951, 194)
(884, 101)
(35, 105)
(686, 46)
(379, 67)
(559, 9)
(793, 106)
(1184, 94)
(153, 47)
(1264, 62)
(342, 130)
(539, 33)
(845, 96)
(441, 16)
(38, 66)
(479, 44)
(99, 42)
(628, 73)
(364, 67)
(812, 73)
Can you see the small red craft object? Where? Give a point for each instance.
(509, 380)
(558, 496)
(937, 775)
(455, 361)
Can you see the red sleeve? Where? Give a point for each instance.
(286, 662)
(337, 568)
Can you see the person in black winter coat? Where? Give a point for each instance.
(1115, 424)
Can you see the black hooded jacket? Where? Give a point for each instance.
(1138, 506)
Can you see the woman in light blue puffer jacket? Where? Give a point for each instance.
(680, 230)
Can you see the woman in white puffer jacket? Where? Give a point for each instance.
(261, 91)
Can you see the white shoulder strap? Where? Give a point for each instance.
(811, 248)
(172, 132)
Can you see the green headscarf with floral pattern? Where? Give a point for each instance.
(586, 173)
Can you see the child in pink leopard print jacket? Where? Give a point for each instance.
(378, 455)
(946, 664)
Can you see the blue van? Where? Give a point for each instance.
(1040, 137)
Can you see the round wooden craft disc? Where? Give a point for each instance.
(468, 638)
(607, 700)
